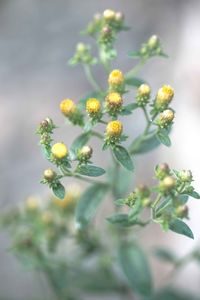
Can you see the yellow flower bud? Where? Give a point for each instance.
(143, 94)
(49, 174)
(116, 77)
(114, 129)
(164, 96)
(85, 153)
(93, 106)
(67, 107)
(32, 203)
(114, 100)
(144, 90)
(59, 150)
(166, 117)
(109, 14)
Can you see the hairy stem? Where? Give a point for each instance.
(91, 79)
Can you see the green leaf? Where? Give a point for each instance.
(121, 219)
(133, 81)
(165, 255)
(123, 157)
(143, 144)
(80, 141)
(163, 138)
(193, 194)
(89, 203)
(90, 170)
(135, 267)
(180, 227)
(120, 202)
(135, 210)
(127, 109)
(59, 191)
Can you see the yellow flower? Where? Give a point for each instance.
(93, 106)
(116, 77)
(164, 95)
(144, 90)
(32, 203)
(67, 107)
(114, 100)
(114, 129)
(109, 14)
(59, 150)
(72, 195)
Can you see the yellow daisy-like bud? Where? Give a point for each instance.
(166, 117)
(32, 203)
(49, 174)
(109, 14)
(59, 150)
(67, 107)
(164, 96)
(143, 94)
(85, 152)
(116, 77)
(93, 106)
(114, 129)
(144, 90)
(114, 100)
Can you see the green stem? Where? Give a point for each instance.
(91, 79)
(136, 69)
(87, 179)
(97, 134)
(157, 201)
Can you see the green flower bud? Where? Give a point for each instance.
(142, 191)
(185, 176)
(167, 184)
(146, 202)
(162, 170)
(182, 211)
(49, 175)
(153, 42)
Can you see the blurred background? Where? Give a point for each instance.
(36, 40)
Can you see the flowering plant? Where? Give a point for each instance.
(115, 264)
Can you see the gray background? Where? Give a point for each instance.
(36, 40)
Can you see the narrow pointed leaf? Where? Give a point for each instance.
(59, 191)
(89, 203)
(90, 170)
(180, 227)
(136, 268)
(123, 157)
